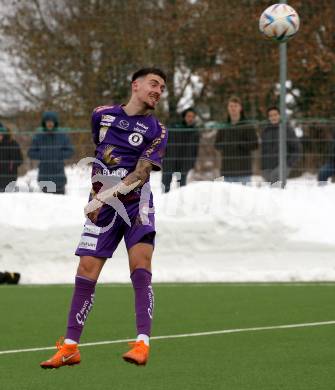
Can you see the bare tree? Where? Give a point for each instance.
(74, 55)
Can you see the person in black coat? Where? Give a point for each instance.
(270, 147)
(236, 141)
(182, 149)
(10, 158)
(327, 170)
(51, 148)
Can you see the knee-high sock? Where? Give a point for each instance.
(144, 300)
(82, 302)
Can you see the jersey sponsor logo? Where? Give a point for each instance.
(108, 118)
(105, 124)
(102, 133)
(135, 139)
(142, 125)
(123, 124)
(121, 172)
(139, 130)
(89, 243)
(92, 229)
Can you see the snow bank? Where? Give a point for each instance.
(207, 231)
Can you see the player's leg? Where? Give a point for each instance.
(82, 302)
(88, 272)
(140, 256)
(96, 244)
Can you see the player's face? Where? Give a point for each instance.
(149, 90)
(234, 109)
(274, 117)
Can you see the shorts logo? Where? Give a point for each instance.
(123, 124)
(89, 243)
(92, 229)
(135, 139)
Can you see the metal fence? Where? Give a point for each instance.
(213, 151)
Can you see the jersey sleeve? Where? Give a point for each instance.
(155, 150)
(95, 125)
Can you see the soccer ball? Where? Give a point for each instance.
(279, 22)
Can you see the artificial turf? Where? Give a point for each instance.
(285, 359)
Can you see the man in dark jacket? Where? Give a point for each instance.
(327, 170)
(51, 148)
(236, 141)
(182, 149)
(10, 158)
(270, 147)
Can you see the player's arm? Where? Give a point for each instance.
(139, 176)
(134, 180)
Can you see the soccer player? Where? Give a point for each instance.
(130, 143)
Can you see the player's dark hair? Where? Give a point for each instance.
(145, 71)
(272, 108)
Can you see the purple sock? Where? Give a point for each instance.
(144, 300)
(82, 302)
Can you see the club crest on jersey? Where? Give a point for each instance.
(135, 139)
(102, 133)
(123, 124)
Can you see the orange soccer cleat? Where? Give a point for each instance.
(67, 355)
(139, 354)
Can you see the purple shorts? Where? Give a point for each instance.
(101, 239)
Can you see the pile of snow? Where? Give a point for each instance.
(206, 231)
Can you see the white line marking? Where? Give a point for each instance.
(176, 336)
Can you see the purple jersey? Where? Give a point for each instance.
(122, 140)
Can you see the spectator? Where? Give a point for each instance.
(207, 165)
(270, 147)
(182, 149)
(236, 141)
(10, 158)
(328, 169)
(51, 148)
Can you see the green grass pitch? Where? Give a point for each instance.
(284, 359)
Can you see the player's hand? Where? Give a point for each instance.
(92, 210)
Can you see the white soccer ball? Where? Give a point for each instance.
(279, 22)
